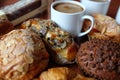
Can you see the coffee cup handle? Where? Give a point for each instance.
(92, 23)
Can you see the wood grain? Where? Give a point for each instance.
(113, 8)
(7, 2)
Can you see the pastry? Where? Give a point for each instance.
(62, 73)
(22, 55)
(105, 27)
(100, 59)
(60, 44)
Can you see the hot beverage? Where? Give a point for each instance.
(68, 8)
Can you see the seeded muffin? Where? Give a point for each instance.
(100, 59)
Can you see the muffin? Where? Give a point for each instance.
(22, 55)
(100, 59)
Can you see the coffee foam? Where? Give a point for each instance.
(68, 8)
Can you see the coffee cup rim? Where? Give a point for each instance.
(101, 2)
(73, 2)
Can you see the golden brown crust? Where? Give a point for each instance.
(62, 44)
(105, 27)
(62, 73)
(22, 55)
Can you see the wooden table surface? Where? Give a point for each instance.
(113, 8)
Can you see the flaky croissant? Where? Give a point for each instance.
(62, 73)
(105, 27)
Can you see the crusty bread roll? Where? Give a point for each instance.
(22, 55)
(59, 43)
(62, 73)
(105, 27)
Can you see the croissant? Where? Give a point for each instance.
(62, 73)
(105, 27)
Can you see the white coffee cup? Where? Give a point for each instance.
(96, 6)
(118, 16)
(71, 22)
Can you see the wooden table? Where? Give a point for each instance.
(113, 8)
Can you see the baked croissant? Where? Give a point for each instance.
(105, 27)
(59, 43)
(62, 73)
(22, 55)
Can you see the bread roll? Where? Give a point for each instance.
(22, 55)
(59, 43)
(105, 27)
(62, 73)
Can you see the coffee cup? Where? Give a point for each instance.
(69, 15)
(118, 16)
(96, 6)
